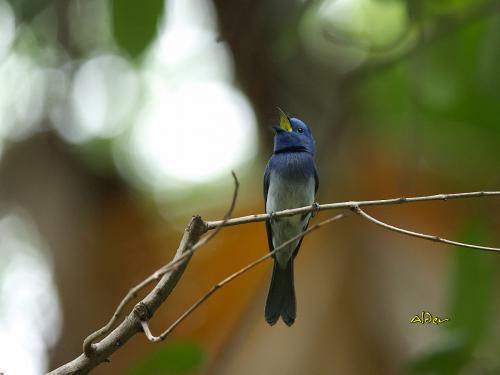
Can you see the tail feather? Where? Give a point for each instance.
(281, 296)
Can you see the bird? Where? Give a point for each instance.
(290, 180)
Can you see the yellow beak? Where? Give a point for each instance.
(284, 121)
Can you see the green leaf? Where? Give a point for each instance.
(174, 358)
(135, 23)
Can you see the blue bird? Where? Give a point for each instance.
(290, 181)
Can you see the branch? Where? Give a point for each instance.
(230, 278)
(347, 205)
(169, 275)
(94, 354)
(174, 264)
(429, 237)
(131, 324)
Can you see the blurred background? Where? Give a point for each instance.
(121, 119)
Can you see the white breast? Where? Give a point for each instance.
(284, 194)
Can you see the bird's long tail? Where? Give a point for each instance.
(281, 296)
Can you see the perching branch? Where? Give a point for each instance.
(168, 276)
(230, 278)
(348, 205)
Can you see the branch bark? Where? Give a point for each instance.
(101, 351)
(429, 237)
(348, 205)
(169, 275)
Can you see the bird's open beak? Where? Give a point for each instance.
(284, 122)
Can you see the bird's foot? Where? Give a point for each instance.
(272, 217)
(315, 209)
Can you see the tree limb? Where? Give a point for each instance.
(169, 275)
(132, 294)
(94, 354)
(347, 205)
(132, 324)
(429, 237)
(230, 278)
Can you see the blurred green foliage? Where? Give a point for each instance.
(471, 306)
(26, 9)
(445, 96)
(174, 358)
(432, 7)
(97, 156)
(135, 27)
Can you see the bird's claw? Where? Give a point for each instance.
(272, 217)
(315, 209)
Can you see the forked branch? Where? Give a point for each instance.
(115, 334)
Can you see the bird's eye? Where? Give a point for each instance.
(300, 130)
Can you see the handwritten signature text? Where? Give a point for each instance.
(427, 318)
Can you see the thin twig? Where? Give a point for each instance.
(393, 228)
(347, 205)
(230, 278)
(222, 223)
(226, 217)
(132, 294)
(174, 264)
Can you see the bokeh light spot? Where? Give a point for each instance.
(7, 28)
(194, 124)
(102, 99)
(30, 317)
(195, 132)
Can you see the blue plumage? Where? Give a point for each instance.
(290, 181)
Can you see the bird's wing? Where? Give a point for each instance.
(267, 178)
(316, 180)
(316, 186)
(296, 251)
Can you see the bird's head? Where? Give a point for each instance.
(292, 135)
